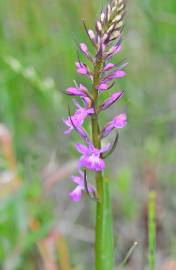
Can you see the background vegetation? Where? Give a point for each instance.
(39, 227)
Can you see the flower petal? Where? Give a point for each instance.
(119, 74)
(78, 180)
(68, 131)
(73, 91)
(76, 194)
(120, 121)
(81, 148)
(105, 148)
(82, 88)
(83, 133)
(102, 86)
(108, 67)
(107, 129)
(91, 189)
(81, 68)
(108, 102)
(114, 50)
(78, 106)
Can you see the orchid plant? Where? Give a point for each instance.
(106, 40)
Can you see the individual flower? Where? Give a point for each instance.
(114, 75)
(82, 68)
(80, 91)
(108, 102)
(102, 87)
(77, 193)
(104, 83)
(114, 50)
(91, 156)
(108, 67)
(77, 119)
(118, 121)
(117, 74)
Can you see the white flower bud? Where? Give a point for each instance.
(110, 28)
(91, 34)
(99, 26)
(108, 12)
(102, 17)
(115, 34)
(117, 18)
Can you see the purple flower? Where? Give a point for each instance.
(115, 74)
(78, 117)
(118, 74)
(78, 91)
(82, 68)
(91, 156)
(104, 82)
(108, 102)
(108, 67)
(118, 121)
(102, 87)
(76, 194)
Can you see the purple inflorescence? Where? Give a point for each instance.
(102, 73)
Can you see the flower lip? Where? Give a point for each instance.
(77, 193)
(91, 156)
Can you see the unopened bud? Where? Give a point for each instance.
(99, 26)
(91, 34)
(102, 17)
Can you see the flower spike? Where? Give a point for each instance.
(102, 73)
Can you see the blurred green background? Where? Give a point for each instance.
(39, 227)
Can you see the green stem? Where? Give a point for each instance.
(152, 228)
(104, 233)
